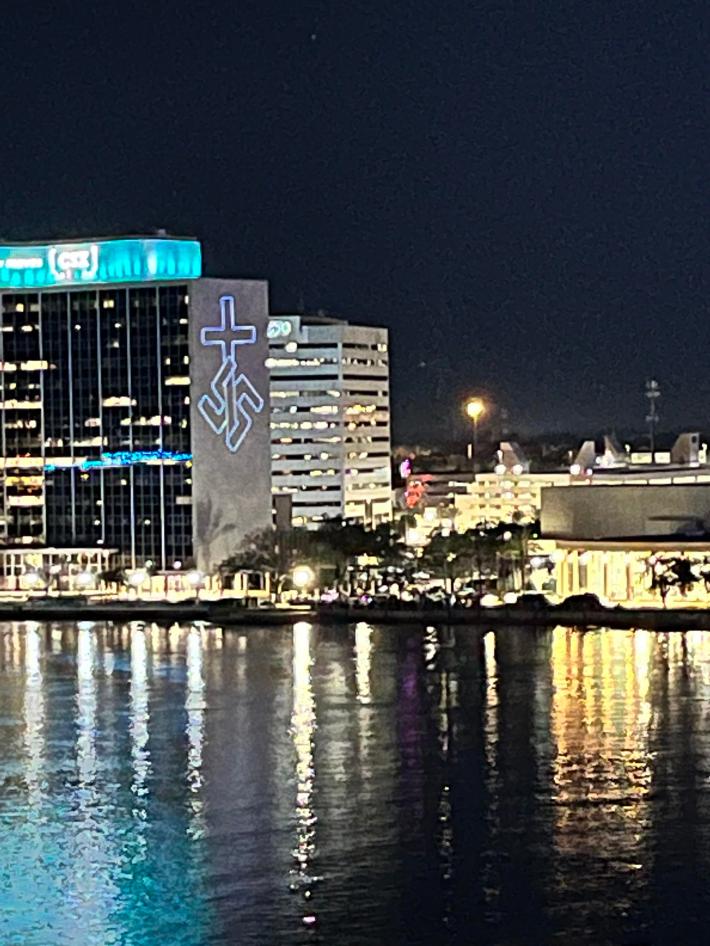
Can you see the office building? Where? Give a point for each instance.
(330, 419)
(133, 395)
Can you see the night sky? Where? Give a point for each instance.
(517, 190)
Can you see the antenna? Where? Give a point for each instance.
(652, 392)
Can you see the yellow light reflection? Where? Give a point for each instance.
(303, 727)
(363, 660)
(491, 878)
(600, 721)
(490, 714)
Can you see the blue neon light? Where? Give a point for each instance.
(233, 400)
(54, 265)
(125, 458)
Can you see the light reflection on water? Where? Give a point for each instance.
(187, 786)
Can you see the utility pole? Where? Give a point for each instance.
(652, 393)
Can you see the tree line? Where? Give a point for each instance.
(334, 550)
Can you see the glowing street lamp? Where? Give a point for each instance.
(136, 578)
(475, 408)
(303, 577)
(196, 580)
(85, 580)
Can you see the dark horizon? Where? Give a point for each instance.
(518, 194)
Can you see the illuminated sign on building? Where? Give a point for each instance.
(233, 399)
(279, 328)
(32, 266)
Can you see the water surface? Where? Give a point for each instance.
(352, 786)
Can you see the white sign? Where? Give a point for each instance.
(279, 328)
(74, 262)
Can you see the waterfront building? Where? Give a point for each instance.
(508, 493)
(132, 401)
(607, 540)
(330, 419)
(511, 492)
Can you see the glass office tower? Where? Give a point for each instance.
(98, 412)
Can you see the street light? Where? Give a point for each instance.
(475, 408)
(196, 579)
(136, 578)
(303, 577)
(85, 580)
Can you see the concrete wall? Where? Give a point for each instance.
(597, 512)
(229, 416)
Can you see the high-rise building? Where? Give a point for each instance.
(330, 419)
(133, 401)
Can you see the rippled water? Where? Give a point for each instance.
(370, 785)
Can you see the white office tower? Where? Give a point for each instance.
(330, 419)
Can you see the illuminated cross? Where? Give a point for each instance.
(228, 332)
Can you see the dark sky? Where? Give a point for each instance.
(518, 190)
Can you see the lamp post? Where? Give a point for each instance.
(475, 408)
(303, 577)
(137, 577)
(196, 579)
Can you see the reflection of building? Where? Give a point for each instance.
(330, 418)
(132, 400)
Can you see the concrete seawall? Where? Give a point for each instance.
(227, 615)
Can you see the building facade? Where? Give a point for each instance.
(610, 539)
(132, 396)
(506, 496)
(330, 419)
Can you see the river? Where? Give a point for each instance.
(352, 786)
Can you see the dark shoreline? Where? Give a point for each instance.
(226, 614)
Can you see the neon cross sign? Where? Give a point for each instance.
(233, 400)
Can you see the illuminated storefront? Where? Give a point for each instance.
(620, 571)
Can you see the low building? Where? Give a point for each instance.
(504, 497)
(621, 571)
(610, 540)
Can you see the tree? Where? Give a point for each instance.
(452, 555)
(672, 571)
(258, 552)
